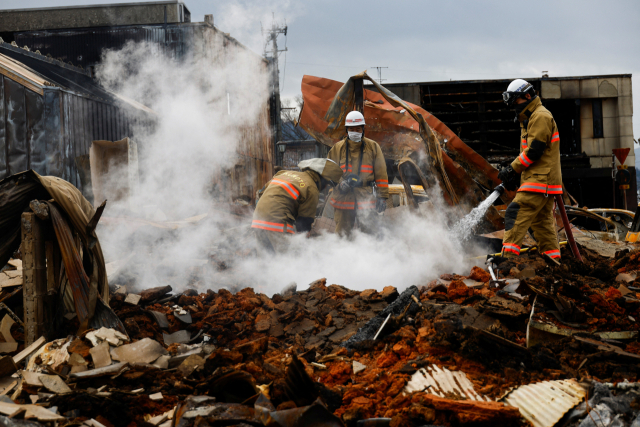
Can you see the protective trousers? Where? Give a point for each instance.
(345, 220)
(270, 242)
(535, 211)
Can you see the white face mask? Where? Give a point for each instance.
(355, 136)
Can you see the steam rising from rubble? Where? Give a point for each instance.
(194, 141)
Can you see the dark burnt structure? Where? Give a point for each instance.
(74, 38)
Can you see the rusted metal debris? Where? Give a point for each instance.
(453, 355)
(405, 132)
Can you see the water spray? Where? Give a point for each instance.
(464, 228)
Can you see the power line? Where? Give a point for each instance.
(409, 71)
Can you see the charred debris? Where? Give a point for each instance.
(539, 344)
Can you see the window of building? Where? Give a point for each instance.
(596, 109)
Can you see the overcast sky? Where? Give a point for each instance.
(432, 40)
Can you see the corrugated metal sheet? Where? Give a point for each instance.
(443, 383)
(544, 403)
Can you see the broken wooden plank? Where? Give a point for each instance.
(107, 370)
(27, 351)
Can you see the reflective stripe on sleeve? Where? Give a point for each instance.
(510, 247)
(382, 183)
(524, 144)
(525, 160)
(555, 137)
(288, 187)
(553, 254)
(272, 226)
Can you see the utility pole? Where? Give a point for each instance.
(271, 53)
(380, 79)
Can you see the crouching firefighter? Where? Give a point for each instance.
(541, 176)
(364, 188)
(288, 203)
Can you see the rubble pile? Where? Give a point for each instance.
(460, 350)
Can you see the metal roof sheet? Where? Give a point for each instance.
(443, 383)
(544, 403)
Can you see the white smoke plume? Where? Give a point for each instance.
(195, 140)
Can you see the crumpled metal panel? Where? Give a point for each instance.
(443, 383)
(397, 132)
(544, 403)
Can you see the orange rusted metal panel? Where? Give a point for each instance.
(397, 133)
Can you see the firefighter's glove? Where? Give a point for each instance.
(348, 182)
(353, 180)
(381, 205)
(344, 187)
(509, 178)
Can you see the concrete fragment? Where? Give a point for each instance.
(160, 318)
(191, 364)
(183, 316)
(113, 337)
(162, 362)
(77, 360)
(625, 277)
(78, 368)
(31, 378)
(54, 384)
(180, 337)
(100, 355)
(156, 396)
(358, 367)
(143, 351)
(132, 299)
(175, 361)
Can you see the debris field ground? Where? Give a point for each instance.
(451, 352)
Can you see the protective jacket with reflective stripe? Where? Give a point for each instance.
(539, 159)
(374, 169)
(287, 196)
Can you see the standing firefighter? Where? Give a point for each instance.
(539, 164)
(289, 202)
(364, 188)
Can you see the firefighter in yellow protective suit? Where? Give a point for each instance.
(288, 203)
(541, 176)
(364, 189)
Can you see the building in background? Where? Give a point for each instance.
(593, 114)
(77, 36)
(50, 112)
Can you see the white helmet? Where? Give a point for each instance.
(354, 118)
(326, 168)
(517, 89)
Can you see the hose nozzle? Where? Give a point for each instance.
(500, 189)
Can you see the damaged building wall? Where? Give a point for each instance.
(45, 125)
(475, 112)
(181, 41)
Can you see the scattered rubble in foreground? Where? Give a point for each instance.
(533, 348)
